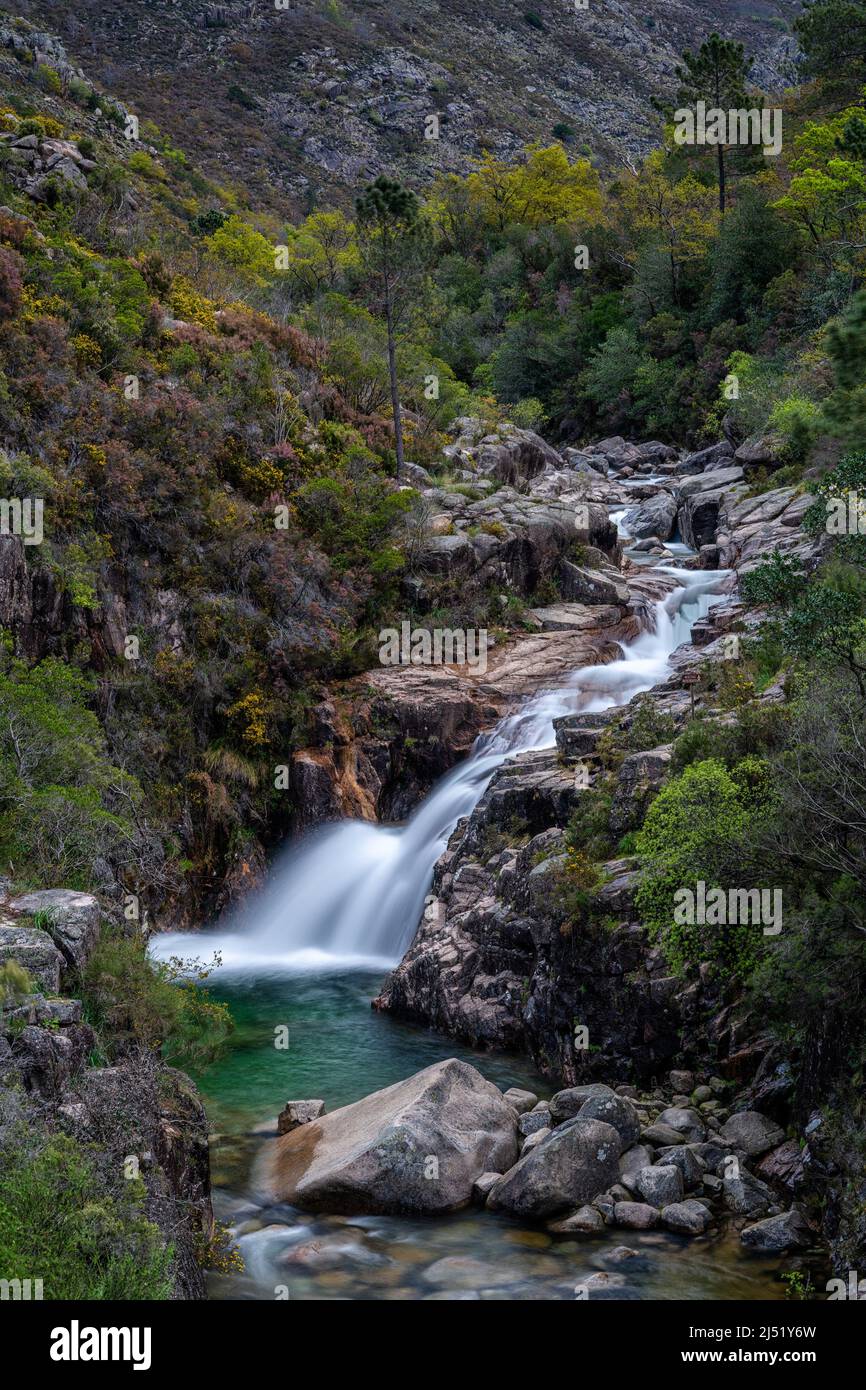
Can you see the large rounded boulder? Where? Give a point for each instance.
(417, 1146)
(573, 1165)
(616, 1111)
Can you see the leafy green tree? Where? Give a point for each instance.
(755, 244)
(323, 251)
(393, 247)
(817, 621)
(239, 250)
(137, 1004)
(827, 195)
(716, 74)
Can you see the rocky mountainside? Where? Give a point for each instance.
(300, 102)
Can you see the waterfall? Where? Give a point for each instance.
(351, 894)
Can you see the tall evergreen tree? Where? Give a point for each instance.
(832, 36)
(716, 74)
(392, 247)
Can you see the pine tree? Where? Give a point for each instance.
(832, 36)
(392, 245)
(716, 74)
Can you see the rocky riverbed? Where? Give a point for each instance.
(597, 1193)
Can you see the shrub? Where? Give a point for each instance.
(797, 422)
(134, 1003)
(186, 303)
(242, 97)
(56, 782)
(15, 984)
(11, 284)
(49, 79)
(60, 1223)
(698, 828)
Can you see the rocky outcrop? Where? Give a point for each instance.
(70, 919)
(152, 1114)
(589, 1160)
(654, 517)
(418, 1146)
(137, 1111)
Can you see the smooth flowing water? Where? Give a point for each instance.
(306, 956)
(350, 895)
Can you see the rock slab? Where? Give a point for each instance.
(417, 1146)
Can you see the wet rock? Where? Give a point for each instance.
(585, 1221)
(690, 1165)
(631, 1162)
(713, 481)
(659, 1185)
(465, 1272)
(682, 1081)
(521, 1100)
(531, 1121)
(706, 460)
(582, 585)
(661, 1135)
(577, 1162)
(777, 1235)
(635, 1216)
(752, 1132)
(618, 451)
(747, 1195)
(419, 1145)
(688, 1218)
(298, 1112)
(576, 617)
(616, 1111)
(711, 1152)
(785, 1165)
(565, 1105)
(654, 517)
(482, 1185)
(685, 1121)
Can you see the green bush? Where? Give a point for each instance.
(57, 787)
(699, 828)
(59, 1223)
(135, 1002)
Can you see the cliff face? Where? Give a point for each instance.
(302, 101)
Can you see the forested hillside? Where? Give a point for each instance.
(274, 401)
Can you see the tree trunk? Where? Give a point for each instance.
(395, 393)
(721, 158)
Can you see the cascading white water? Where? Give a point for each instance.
(351, 894)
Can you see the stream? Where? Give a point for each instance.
(307, 954)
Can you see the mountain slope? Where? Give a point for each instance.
(301, 103)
